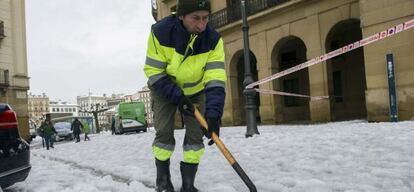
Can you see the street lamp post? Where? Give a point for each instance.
(250, 93)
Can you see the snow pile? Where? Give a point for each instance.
(345, 156)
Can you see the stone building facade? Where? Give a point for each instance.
(14, 79)
(38, 107)
(284, 33)
(145, 96)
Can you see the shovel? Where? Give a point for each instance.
(226, 153)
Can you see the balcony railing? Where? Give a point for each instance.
(4, 78)
(233, 13)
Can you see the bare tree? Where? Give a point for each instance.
(95, 110)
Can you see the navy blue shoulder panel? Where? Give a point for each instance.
(164, 31)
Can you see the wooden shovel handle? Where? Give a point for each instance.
(226, 152)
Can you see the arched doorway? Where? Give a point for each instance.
(346, 73)
(287, 53)
(236, 80)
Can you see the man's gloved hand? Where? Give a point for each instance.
(213, 126)
(185, 106)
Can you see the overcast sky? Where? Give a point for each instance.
(74, 46)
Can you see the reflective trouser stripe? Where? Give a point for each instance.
(161, 154)
(193, 156)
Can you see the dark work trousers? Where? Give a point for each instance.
(164, 117)
(77, 136)
(52, 140)
(86, 137)
(48, 141)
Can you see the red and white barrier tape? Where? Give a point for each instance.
(313, 98)
(378, 36)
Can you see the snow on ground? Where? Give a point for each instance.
(352, 156)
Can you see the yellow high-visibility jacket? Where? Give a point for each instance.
(193, 62)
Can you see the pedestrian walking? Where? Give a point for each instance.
(113, 125)
(40, 133)
(86, 131)
(76, 128)
(47, 131)
(184, 65)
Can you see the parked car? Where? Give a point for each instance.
(63, 131)
(14, 151)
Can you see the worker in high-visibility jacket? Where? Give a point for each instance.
(185, 66)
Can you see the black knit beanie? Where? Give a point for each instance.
(187, 6)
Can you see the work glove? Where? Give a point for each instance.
(185, 106)
(213, 126)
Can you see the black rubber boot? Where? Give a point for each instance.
(163, 176)
(188, 172)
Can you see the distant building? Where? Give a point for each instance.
(127, 98)
(62, 109)
(113, 102)
(145, 96)
(91, 103)
(38, 107)
(14, 78)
